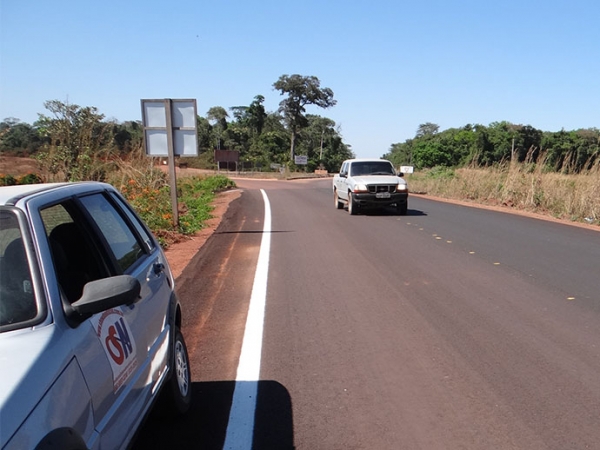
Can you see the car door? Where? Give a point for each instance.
(136, 337)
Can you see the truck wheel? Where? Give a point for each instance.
(402, 208)
(336, 200)
(351, 205)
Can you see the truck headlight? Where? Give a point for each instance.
(360, 188)
(402, 188)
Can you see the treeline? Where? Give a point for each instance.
(70, 138)
(479, 145)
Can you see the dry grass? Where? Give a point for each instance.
(524, 186)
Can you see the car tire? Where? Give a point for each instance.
(177, 395)
(352, 207)
(402, 208)
(336, 200)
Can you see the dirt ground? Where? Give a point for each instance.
(16, 166)
(179, 254)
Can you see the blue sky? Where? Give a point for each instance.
(392, 64)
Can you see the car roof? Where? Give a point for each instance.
(367, 160)
(9, 195)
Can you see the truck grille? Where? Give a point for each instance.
(375, 188)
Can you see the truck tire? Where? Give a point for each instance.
(402, 208)
(336, 200)
(352, 206)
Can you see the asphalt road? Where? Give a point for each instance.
(449, 328)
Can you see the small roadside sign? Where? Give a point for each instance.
(301, 160)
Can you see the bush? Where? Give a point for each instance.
(149, 194)
(196, 195)
(30, 178)
(7, 180)
(441, 172)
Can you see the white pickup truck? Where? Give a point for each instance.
(369, 183)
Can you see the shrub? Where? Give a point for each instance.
(196, 195)
(30, 178)
(7, 180)
(149, 194)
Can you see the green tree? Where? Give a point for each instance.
(18, 137)
(128, 136)
(572, 151)
(270, 146)
(79, 143)
(335, 152)
(300, 91)
(217, 116)
(400, 153)
(427, 129)
(247, 125)
(431, 153)
(204, 134)
(313, 139)
(256, 115)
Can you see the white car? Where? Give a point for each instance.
(89, 320)
(369, 183)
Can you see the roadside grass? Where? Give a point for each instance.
(147, 189)
(526, 186)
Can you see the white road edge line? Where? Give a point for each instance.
(240, 428)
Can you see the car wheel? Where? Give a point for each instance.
(177, 396)
(402, 208)
(351, 205)
(336, 200)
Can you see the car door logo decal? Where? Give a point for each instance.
(117, 341)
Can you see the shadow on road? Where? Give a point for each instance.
(205, 424)
(389, 212)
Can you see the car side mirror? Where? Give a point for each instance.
(401, 174)
(107, 293)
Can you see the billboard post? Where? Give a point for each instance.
(170, 129)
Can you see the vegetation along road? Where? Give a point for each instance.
(448, 328)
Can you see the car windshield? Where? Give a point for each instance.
(17, 300)
(371, 168)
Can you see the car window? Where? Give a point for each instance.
(121, 239)
(75, 251)
(136, 223)
(17, 298)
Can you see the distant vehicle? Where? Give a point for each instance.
(89, 320)
(369, 183)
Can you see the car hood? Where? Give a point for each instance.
(28, 369)
(379, 179)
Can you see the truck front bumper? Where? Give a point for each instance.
(369, 200)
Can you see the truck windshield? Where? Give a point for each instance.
(371, 168)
